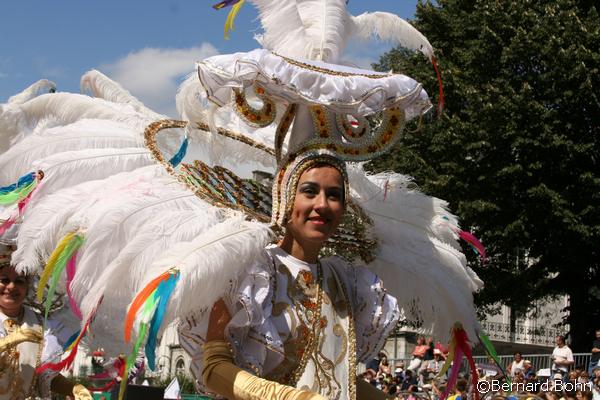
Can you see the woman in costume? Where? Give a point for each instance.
(297, 319)
(24, 344)
(171, 230)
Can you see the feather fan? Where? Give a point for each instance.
(139, 253)
(419, 259)
(44, 223)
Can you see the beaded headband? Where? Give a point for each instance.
(286, 180)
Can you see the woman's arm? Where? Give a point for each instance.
(222, 376)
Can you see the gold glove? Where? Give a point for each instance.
(223, 377)
(20, 336)
(81, 393)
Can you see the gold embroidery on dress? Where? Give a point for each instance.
(306, 295)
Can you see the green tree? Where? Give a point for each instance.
(516, 152)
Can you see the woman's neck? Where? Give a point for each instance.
(12, 313)
(307, 252)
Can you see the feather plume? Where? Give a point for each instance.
(40, 87)
(45, 223)
(70, 168)
(210, 261)
(60, 109)
(51, 263)
(78, 136)
(99, 85)
(11, 120)
(436, 285)
(147, 245)
(67, 254)
(284, 30)
(206, 264)
(327, 24)
(390, 27)
(114, 224)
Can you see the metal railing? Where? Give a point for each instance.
(525, 334)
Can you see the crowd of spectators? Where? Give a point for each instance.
(419, 378)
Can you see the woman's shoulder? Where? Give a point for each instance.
(352, 272)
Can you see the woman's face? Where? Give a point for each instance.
(318, 206)
(13, 289)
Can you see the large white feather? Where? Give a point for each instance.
(124, 275)
(44, 223)
(71, 168)
(56, 109)
(10, 115)
(390, 27)
(103, 87)
(327, 24)
(284, 29)
(40, 87)
(115, 223)
(85, 134)
(419, 258)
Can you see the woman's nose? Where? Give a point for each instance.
(321, 201)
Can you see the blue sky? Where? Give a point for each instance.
(146, 45)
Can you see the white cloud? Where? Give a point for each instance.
(153, 74)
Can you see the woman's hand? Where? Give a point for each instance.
(218, 320)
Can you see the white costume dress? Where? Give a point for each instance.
(304, 325)
(18, 364)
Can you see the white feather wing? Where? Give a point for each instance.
(418, 259)
(390, 27)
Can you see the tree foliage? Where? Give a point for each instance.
(516, 152)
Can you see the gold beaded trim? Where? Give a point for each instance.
(236, 136)
(350, 132)
(385, 136)
(329, 71)
(315, 329)
(253, 117)
(352, 361)
(283, 128)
